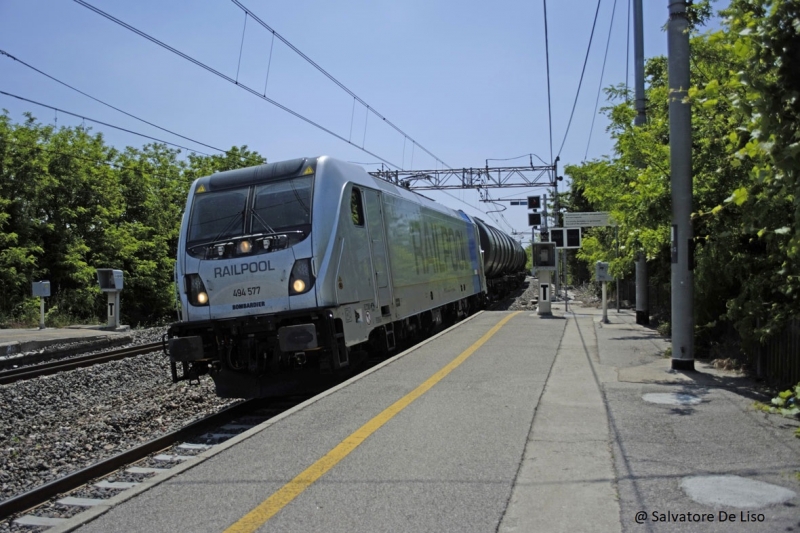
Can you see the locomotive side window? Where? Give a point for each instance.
(356, 207)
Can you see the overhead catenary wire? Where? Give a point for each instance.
(503, 220)
(580, 81)
(518, 157)
(600, 85)
(241, 48)
(101, 122)
(547, 63)
(333, 79)
(3, 52)
(627, 50)
(269, 63)
(463, 201)
(228, 78)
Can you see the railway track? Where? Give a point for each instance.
(44, 369)
(197, 436)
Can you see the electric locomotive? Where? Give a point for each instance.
(287, 270)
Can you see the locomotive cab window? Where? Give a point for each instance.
(277, 214)
(356, 207)
(282, 205)
(218, 215)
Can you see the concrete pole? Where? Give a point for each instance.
(638, 63)
(605, 304)
(616, 228)
(680, 151)
(642, 298)
(642, 305)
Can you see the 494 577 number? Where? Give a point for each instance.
(247, 291)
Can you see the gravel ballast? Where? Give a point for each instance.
(55, 425)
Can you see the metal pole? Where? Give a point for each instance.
(556, 224)
(605, 305)
(41, 312)
(680, 136)
(642, 305)
(566, 300)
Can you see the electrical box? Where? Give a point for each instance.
(601, 272)
(111, 283)
(110, 280)
(41, 289)
(544, 255)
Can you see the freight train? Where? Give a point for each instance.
(296, 269)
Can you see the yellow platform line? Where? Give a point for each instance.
(269, 507)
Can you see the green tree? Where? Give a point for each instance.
(746, 160)
(71, 204)
(765, 36)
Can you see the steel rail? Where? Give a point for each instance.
(44, 369)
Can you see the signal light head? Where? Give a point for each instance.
(534, 202)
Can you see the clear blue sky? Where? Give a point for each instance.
(465, 79)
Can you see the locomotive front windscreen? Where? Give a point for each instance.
(282, 205)
(266, 208)
(218, 215)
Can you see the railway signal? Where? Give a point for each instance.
(534, 202)
(563, 237)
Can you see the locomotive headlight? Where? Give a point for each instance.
(244, 247)
(301, 280)
(196, 290)
(299, 286)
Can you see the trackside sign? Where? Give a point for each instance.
(582, 220)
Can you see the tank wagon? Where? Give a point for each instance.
(288, 270)
(503, 259)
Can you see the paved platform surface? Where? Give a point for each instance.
(541, 425)
(14, 341)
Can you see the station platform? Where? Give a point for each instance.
(505, 422)
(15, 341)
